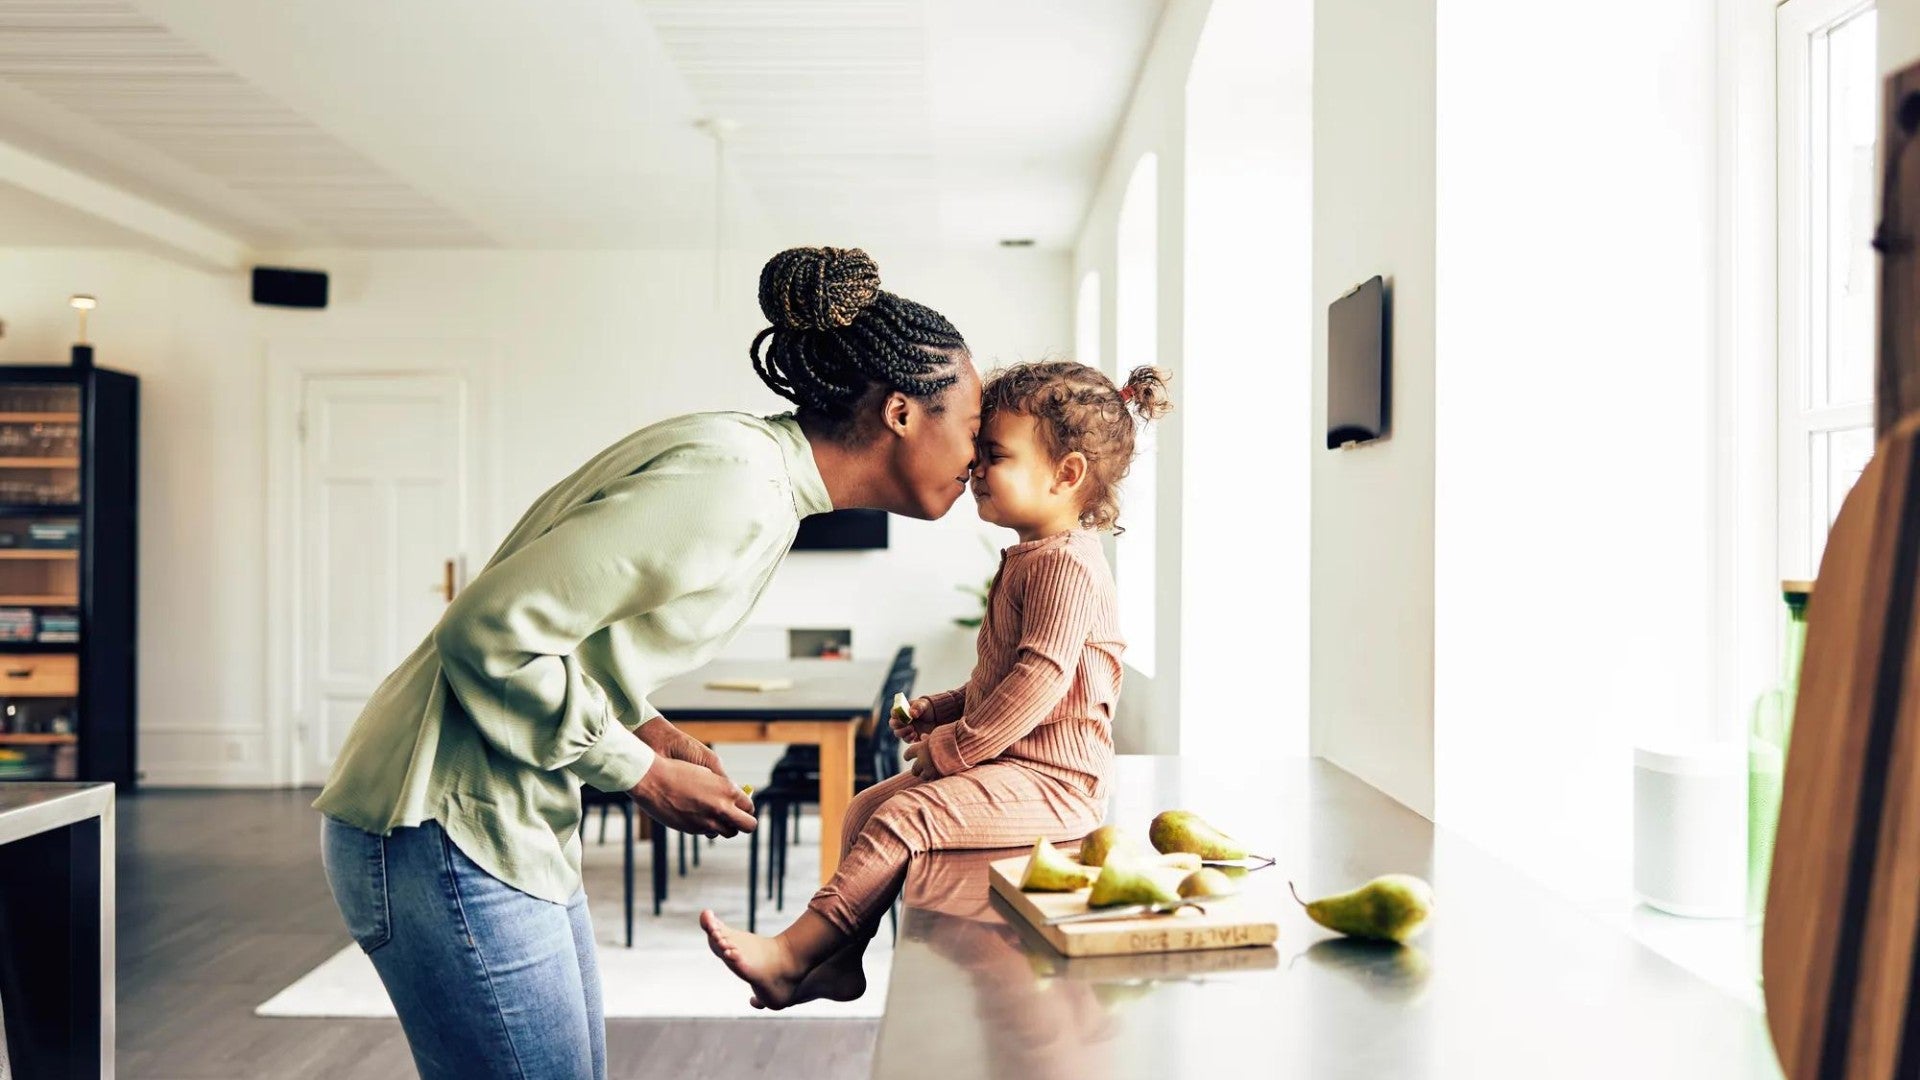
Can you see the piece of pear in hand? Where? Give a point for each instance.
(1392, 907)
(1048, 870)
(1207, 883)
(1182, 830)
(1123, 882)
(902, 711)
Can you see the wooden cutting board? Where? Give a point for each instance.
(1229, 923)
(1840, 946)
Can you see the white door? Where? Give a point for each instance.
(383, 503)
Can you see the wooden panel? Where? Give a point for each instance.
(39, 676)
(1229, 923)
(1844, 901)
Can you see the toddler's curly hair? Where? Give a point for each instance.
(1078, 409)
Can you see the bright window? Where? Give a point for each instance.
(1086, 320)
(1136, 333)
(1829, 120)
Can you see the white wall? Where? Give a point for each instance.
(1373, 507)
(1155, 123)
(1899, 34)
(581, 348)
(1575, 537)
(1247, 380)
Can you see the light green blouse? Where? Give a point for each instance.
(632, 571)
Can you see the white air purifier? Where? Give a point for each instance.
(1690, 829)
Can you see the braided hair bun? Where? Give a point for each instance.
(837, 337)
(819, 288)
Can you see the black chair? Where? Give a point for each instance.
(794, 784)
(806, 756)
(606, 800)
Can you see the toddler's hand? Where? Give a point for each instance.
(906, 728)
(919, 762)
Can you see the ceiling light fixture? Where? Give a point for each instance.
(720, 129)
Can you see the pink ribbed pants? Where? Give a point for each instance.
(998, 804)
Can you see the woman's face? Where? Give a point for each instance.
(933, 456)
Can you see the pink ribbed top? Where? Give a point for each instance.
(1048, 675)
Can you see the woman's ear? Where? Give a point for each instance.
(1070, 472)
(893, 412)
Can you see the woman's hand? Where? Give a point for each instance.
(670, 741)
(911, 730)
(693, 799)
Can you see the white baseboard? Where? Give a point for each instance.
(204, 756)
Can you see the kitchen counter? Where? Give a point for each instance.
(56, 929)
(1507, 980)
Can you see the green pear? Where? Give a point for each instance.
(1101, 843)
(901, 710)
(1048, 870)
(1392, 907)
(1122, 882)
(1181, 830)
(1207, 883)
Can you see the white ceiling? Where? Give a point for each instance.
(455, 123)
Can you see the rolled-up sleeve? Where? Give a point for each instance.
(507, 644)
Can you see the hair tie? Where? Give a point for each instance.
(1126, 395)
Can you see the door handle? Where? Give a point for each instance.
(447, 584)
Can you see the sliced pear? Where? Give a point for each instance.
(1207, 883)
(1128, 883)
(1049, 870)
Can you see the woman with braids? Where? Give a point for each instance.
(452, 818)
(1023, 749)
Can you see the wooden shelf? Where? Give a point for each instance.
(39, 601)
(39, 417)
(7, 739)
(42, 554)
(40, 463)
(40, 509)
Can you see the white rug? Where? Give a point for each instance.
(669, 973)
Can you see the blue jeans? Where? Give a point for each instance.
(488, 981)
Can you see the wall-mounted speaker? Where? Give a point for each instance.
(282, 287)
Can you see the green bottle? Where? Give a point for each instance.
(1767, 739)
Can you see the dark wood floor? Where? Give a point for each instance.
(223, 904)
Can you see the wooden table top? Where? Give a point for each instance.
(822, 690)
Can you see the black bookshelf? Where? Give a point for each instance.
(69, 531)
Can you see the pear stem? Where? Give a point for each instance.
(1296, 894)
